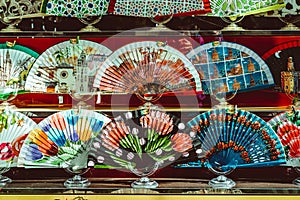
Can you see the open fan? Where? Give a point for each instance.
(229, 67)
(150, 8)
(141, 141)
(79, 8)
(146, 68)
(62, 140)
(225, 139)
(285, 61)
(287, 127)
(224, 8)
(14, 127)
(61, 66)
(15, 62)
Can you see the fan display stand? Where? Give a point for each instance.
(4, 180)
(77, 167)
(145, 182)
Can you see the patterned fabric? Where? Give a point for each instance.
(75, 8)
(225, 8)
(152, 8)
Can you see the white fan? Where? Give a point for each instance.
(59, 68)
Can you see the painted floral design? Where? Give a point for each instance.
(61, 137)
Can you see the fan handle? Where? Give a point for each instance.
(149, 99)
(145, 182)
(222, 182)
(3, 179)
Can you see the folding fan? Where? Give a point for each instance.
(57, 68)
(223, 136)
(154, 8)
(291, 8)
(287, 127)
(60, 138)
(15, 61)
(280, 57)
(14, 128)
(78, 8)
(141, 140)
(225, 139)
(225, 8)
(146, 67)
(229, 67)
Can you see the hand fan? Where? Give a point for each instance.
(284, 60)
(57, 69)
(225, 139)
(225, 8)
(291, 8)
(229, 67)
(146, 67)
(286, 125)
(15, 61)
(14, 127)
(151, 8)
(78, 8)
(60, 138)
(141, 141)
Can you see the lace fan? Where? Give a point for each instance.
(55, 69)
(150, 8)
(141, 141)
(224, 8)
(15, 62)
(79, 8)
(146, 68)
(60, 138)
(229, 67)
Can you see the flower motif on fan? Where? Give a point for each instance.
(234, 134)
(6, 152)
(153, 137)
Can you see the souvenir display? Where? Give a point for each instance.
(287, 127)
(15, 62)
(56, 69)
(147, 68)
(77, 8)
(141, 141)
(225, 8)
(229, 67)
(225, 139)
(150, 8)
(13, 130)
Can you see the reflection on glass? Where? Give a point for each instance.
(77, 167)
(3, 179)
(221, 168)
(144, 173)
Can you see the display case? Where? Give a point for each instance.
(252, 71)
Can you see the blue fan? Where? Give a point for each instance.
(226, 67)
(225, 139)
